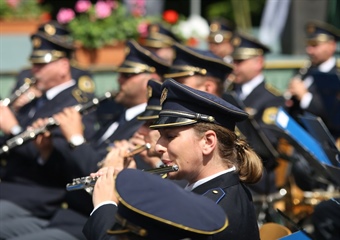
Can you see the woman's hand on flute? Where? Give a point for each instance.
(104, 189)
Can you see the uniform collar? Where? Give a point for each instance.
(248, 87)
(51, 93)
(132, 112)
(207, 179)
(327, 65)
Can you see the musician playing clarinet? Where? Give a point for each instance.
(32, 185)
(321, 48)
(306, 96)
(77, 73)
(83, 153)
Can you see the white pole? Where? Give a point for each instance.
(195, 7)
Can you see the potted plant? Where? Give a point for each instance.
(94, 26)
(22, 16)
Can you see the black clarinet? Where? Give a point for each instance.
(301, 73)
(17, 93)
(27, 135)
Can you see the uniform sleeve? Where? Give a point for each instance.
(99, 222)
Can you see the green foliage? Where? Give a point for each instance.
(21, 9)
(224, 8)
(220, 9)
(93, 32)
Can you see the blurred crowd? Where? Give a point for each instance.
(210, 115)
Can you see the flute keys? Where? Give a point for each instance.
(83, 180)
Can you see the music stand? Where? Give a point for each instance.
(264, 148)
(317, 129)
(307, 146)
(301, 234)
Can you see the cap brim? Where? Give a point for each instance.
(179, 74)
(149, 114)
(171, 121)
(42, 56)
(246, 53)
(319, 38)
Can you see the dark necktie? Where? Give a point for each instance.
(238, 91)
(110, 130)
(122, 119)
(41, 102)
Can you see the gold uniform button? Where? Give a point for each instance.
(64, 205)
(3, 162)
(215, 191)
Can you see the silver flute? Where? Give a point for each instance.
(28, 82)
(89, 182)
(31, 134)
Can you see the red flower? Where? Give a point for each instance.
(171, 16)
(192, 42)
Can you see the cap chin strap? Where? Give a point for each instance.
(195, 116)
(128, 227)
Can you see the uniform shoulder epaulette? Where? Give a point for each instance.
(273, 90)
(230, 87)
(215, 194)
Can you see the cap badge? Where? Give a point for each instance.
(36, 42)
(164, 95)
(50, 29)
(214, 27)
(236, 41)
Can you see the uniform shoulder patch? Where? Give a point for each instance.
(86, 84)
(80, 96)
(269, 115)
(273, 90)
(215, 194)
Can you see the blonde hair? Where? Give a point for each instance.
(236, 152)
